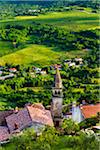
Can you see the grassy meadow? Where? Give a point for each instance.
(71, 20)
(37, 54)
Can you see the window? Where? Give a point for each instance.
(55, 92)
(57, 123)
(58, 92)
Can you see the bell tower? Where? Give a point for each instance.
(57, 99)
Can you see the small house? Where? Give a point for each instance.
(89, 111)
(32, 115)
(7, 76)
(43, 72)
(13, 70)
(12, 122)
(67, 61)
(55, 66)
(71, 64)
(79, 61)
(79, 113)
(37, 70)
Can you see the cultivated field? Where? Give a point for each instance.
(37, 55)
(71, 20)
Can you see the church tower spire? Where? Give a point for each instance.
(57, 99)
(58, 81)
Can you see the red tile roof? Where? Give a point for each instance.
(90, 110)
(13, 69)
(38, 105)
(4, 134)
(40, 115)
(27, 116)
(96, 127)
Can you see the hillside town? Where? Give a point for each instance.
(35, 115)
(7, 72)
(49, 75)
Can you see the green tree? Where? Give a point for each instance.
(47, 139)
(17, 36)
(69, 126)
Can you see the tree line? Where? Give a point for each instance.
(34, 8)
(54, 139)
(51, 36)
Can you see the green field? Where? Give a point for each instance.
(72, 20)
(38, 55)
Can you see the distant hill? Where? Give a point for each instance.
(90, 1)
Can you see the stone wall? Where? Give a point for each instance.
(56, 107)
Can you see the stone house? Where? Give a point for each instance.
(35, 116)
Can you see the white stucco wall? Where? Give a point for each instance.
(76, 114)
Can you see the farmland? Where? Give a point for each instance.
(74, 20)
(33, 53)
(71, 20)
(37, 54)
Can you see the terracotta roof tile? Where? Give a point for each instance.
(38, 105)
(30, 114)
(42, 116)
(90, 110)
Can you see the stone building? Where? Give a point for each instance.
(57, 99)
(35, 116)
(82, 112)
